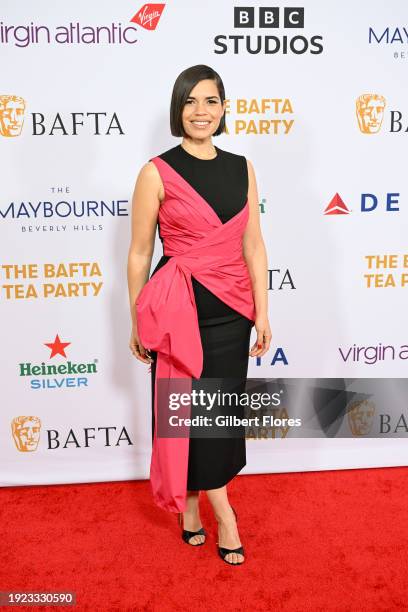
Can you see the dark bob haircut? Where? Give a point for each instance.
(185, 82)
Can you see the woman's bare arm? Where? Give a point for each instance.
(147, 195)
(254, 252)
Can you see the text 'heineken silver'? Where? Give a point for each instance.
(28, 369)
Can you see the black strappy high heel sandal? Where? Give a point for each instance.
(223, 552)
(187, 535)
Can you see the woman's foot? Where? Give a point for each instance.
(228, 536)
(191, 520)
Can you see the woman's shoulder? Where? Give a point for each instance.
(238, 158)
(230, 155)
(150, 167)
(236, 162)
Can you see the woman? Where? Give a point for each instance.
(214, 273)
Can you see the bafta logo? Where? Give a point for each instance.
(360, 416)
(26, 432)
(11, 115)
(370, 112)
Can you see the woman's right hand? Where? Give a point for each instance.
(137, 348)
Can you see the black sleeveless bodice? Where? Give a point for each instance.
(223, 183)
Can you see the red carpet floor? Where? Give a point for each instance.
(315, 541)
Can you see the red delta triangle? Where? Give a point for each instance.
(336, 206)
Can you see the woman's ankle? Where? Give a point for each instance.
(225, 515)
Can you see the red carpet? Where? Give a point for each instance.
(315, 541)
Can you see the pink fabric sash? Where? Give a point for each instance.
(203, 247)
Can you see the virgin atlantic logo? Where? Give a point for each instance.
(148, 16)
(24, 34)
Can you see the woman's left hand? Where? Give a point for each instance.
(263, 339)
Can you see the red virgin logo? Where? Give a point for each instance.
(148, 16)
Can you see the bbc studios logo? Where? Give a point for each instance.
(284, 42)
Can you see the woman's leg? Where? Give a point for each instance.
(228, 536)
(191, 517)
(218, 460)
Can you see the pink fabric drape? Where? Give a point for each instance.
(203, 247)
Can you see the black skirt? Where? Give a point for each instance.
(225, 339)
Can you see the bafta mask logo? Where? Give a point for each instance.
(370, 112)
(11, 115)
(360, 417)
(26, 432)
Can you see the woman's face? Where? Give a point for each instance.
(203, 110)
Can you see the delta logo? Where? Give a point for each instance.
(369, 202)
(57, 373)
(336, 206)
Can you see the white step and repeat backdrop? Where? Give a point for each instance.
(317, 101)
